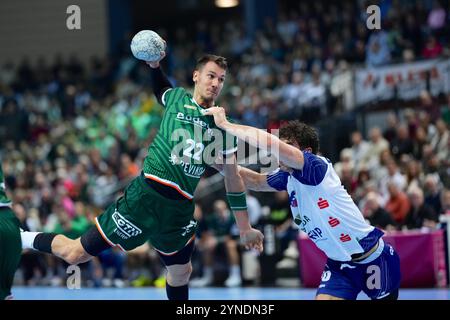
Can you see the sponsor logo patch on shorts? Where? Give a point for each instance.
(125, 229)
(187, 229)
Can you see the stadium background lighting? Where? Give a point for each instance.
(226, 3)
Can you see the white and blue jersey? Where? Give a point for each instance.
(323, 209)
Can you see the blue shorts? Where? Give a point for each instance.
(377, 278)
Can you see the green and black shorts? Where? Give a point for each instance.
(144, 214)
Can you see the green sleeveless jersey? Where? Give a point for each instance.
(186, 143)
(4, 201)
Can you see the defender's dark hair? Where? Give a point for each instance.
(304, 135)
(220, 61)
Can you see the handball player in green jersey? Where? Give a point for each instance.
(10, 244)
(158, 205)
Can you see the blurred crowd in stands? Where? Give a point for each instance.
(72, 135)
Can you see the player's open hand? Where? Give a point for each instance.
(252, 239)
(219, 115)
(155, 64)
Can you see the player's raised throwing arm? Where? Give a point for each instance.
(160, 82)
(289, 155)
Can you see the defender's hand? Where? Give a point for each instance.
(219, 115)
(252, 239)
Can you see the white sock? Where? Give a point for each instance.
(235, 271)
(28, 239)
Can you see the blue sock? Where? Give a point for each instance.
(177, 293)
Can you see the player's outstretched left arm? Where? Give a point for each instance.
(289, 155)
(234, 185)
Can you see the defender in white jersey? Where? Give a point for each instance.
(358, 258)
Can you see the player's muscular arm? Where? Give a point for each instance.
(234, 183)
(250, 237)
(289, 155)
(254, 181)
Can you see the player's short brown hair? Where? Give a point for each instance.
(220, 61)
(304, 135)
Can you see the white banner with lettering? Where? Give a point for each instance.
(409, 79)
(440, 80)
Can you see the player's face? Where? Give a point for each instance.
(209, 81)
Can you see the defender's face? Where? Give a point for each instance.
(209, 80)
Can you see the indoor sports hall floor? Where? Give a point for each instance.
(50, 293)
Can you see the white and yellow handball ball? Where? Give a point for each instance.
(147, 45)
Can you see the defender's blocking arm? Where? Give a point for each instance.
(255, 181)
(289, 155)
